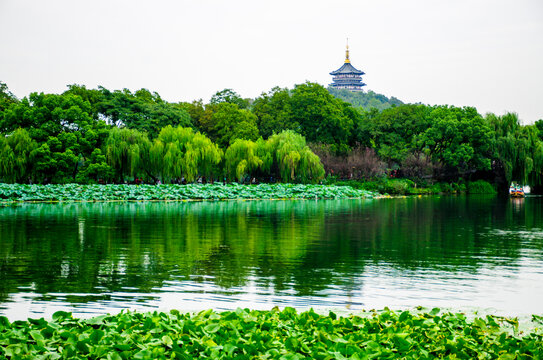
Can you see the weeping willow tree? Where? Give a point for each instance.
(179, 152)
(294, 159)
(125, 150)
(265, 151)
(518, 149)
(310, 168)
(202, 156)
(16, 153)
(242, 159)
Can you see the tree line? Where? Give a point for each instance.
(296, 135)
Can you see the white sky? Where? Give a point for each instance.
(482, 53)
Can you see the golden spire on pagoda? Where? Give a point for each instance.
(347, 53)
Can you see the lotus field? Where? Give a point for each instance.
(75, 192)
(275, 334)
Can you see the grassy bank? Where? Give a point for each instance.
(287, 334)
(409, 187)
(76, 192)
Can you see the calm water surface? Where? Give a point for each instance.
(100, 258)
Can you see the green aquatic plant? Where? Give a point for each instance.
(275, 334)
(217, 191)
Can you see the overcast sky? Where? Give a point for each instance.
(487, 53)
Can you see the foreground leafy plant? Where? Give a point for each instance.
(75, 192)
(245, 334)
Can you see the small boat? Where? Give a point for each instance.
(516, 191)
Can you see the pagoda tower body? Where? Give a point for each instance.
(347, 76)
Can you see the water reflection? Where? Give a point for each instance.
(101, 257)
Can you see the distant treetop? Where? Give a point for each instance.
(365, 100)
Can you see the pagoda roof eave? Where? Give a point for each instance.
(347, 68)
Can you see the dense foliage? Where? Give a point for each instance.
(76, 192)
(518, 149)
(409, 187)
(97, 135)
(275, 334)
(365, 100)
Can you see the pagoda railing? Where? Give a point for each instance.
(347, 76)
(346, 81)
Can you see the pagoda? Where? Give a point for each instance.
(347, 76)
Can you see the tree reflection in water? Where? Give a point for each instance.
(301, 248)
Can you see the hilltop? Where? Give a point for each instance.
(365, 100)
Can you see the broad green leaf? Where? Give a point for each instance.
(167, 340)
(212, 328)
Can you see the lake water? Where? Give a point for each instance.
(96, 258)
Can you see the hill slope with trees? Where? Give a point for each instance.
(365, 100)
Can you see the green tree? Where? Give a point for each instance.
(57, 159)
(199, 113)
(321, 116)
(459, 138)
(231, 123)
(274, 113)
(393, 131)
(141, 110)
(179, 152)
(294, 159)
(44, 165)
(95, 169)
(539, 125)
(518, 149)
(44, 115)
(16, 156)
(229, 96)
(242, 160)
(125, 150)
(94, 97)
(203, 155)
(365, 100)
(6, 98)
